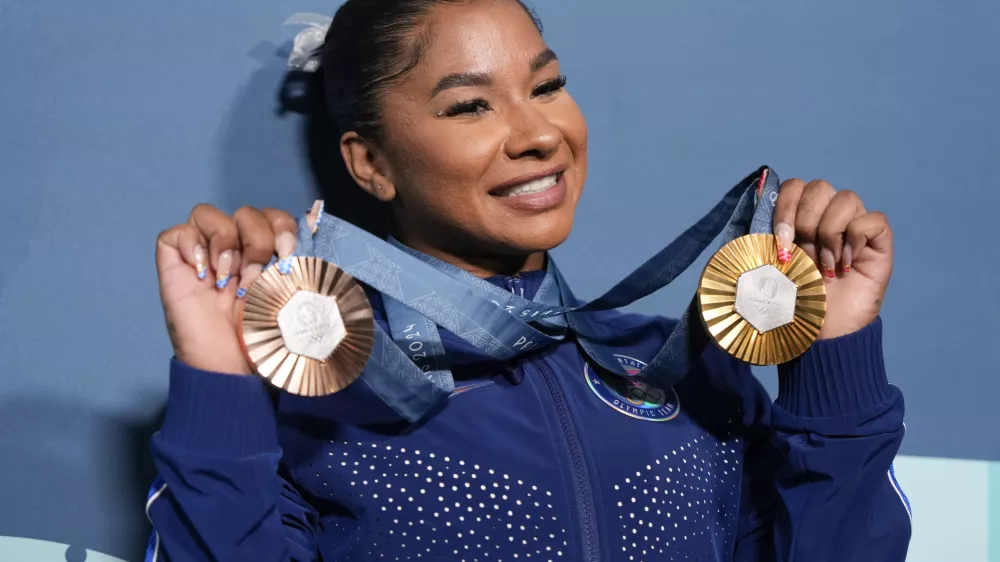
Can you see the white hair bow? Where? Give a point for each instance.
(308, 41)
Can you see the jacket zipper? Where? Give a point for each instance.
(581, 477)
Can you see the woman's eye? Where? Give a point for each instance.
(467, 108)
(549, 87)
(478, 106)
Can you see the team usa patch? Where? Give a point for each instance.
(631, 396)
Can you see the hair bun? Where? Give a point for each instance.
(301, 92)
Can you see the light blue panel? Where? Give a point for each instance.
(30, 550)
(950, 508)
(993, 496)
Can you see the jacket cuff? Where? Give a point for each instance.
(218, 414)
(836, 377)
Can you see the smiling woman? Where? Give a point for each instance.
(455, 114)
(470, 136)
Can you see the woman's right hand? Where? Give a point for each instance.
(205, 266)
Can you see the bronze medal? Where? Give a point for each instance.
(309, 332)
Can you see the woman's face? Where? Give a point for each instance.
(485, 152)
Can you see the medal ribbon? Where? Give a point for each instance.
(408, 369)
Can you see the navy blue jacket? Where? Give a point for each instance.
(543, 459)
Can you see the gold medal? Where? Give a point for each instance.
(760, 310)
(309, 332)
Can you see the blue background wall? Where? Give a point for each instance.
(117, 117)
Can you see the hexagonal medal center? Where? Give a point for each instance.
(765, 298)
(311, 325)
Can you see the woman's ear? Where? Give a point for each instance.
(366, 165)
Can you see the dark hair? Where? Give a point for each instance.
(370, 44)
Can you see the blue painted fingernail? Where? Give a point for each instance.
(199, 262)
(225, 266)
(241, 292)
(285, 266)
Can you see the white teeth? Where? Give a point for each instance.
(533, 186)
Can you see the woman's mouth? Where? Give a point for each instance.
(531, 187)
(538, 194)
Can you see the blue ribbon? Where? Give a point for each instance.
(408, 367)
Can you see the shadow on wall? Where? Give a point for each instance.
(343, 197)
(279, 139)
(84, 475)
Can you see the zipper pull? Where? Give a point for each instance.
(516, 285)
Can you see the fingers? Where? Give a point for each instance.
(255, 235)
(257, 245)
(831, 227)
(797, 214)
(185, 241)
(784, 216)
(284, 228)
(843, 208)
(239, 245)
(223, 240)
(870, 230)
(816, 197)
(264, 233)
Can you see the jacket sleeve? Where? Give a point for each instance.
(219, 495)
(818, 480)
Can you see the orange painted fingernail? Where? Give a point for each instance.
(785, 235)
(826, 259)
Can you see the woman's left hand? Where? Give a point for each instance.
(852, 246)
